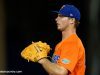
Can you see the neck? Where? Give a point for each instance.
(68, 32)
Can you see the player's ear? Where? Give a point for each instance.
(72, 20)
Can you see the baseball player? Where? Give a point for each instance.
(69, 54)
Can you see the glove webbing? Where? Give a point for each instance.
(38, 50)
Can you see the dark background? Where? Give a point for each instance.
(32, 20)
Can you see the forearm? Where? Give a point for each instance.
(52, 68)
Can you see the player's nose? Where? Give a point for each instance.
(56, 19)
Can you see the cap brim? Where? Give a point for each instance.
(58, 13)
(55, 12)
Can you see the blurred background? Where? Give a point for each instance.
(24, 21)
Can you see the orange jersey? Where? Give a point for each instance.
(70, 54)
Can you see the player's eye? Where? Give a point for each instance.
(60, 15)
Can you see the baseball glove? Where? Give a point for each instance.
(35, 51)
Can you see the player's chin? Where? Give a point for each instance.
(60, 29)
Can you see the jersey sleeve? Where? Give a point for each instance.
(69, 56)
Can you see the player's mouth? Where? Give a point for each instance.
(58, 24)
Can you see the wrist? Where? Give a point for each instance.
(43, 60)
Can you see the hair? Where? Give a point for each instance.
(76, 23)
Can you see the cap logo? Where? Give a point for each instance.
(63, 6)
(71, 14)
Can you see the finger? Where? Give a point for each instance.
(32, 42)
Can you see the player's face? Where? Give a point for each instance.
(62, 22)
